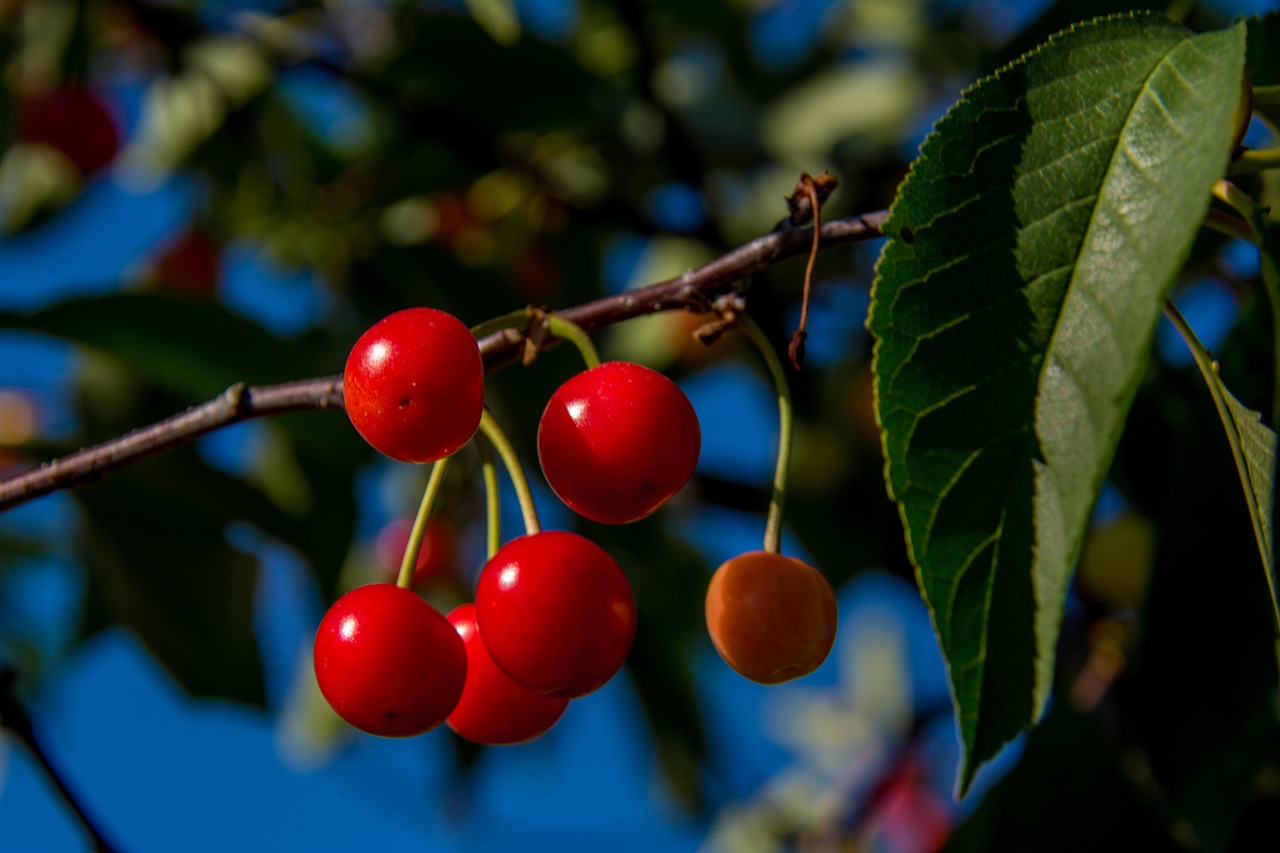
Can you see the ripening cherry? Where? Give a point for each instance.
(414, 385)
(557, 613)
(389, 663)
(617, 441)
(494, 709)
(74, 120)
(436, 558)
(772, 618)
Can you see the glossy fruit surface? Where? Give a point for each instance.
(436, 558)
(389, 663)
(74, 120)
(772, 618)
(617, 441)
(414, 385)
(557, 613)
(495, 710)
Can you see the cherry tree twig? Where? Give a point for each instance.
(15, 719)
(696, 290)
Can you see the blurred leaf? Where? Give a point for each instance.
(1263, 61)
(1207, 659)
(195, 349)
(498, 18)
(220, 74)
(159, 564)
(670, 582)
(1039, 240)
(35, 180)
(874, 98)
(1095, 803)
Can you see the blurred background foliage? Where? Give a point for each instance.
(320, 164)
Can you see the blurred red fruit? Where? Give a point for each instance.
(435, 557)
(76, 121)
(189, 264)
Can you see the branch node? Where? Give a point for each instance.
(801, 202)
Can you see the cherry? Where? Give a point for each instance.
(389, 663)
(414, 385)
(436, 557)
(74, 120)
(495, 710)
(772, 618)
(189, 264)
(557, 613)
(617, 441)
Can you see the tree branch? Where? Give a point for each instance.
(695, 290)
(14, 717)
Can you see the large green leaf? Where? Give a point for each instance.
(1029, 252)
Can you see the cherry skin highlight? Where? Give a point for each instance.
(772, 618)
(556, 612)
(495, 710)
(414, 385)
(389, 663)
(616, 441)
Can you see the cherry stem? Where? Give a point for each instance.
(773, 526)
(796, 348)
(576, 335)
(515, 320)
(533, 322)
(493, 520)
(502, 444)
(419, 531)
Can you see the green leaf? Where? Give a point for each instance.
(1029, 252)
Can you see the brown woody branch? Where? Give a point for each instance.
(696, 290)
(15, 719)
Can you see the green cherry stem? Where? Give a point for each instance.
(419, 531)
(773, 525)
(502, 444)
(515, 320)
(556, 326)
(493, 520)
(576, 335)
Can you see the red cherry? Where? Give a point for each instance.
(495, 710)
(772, 618)
(414, 385)
(389, 663)
(189, 264)
(75, 120)
(617, 441)
(436, 557)
(557, 613)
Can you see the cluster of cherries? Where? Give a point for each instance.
(554, 616)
